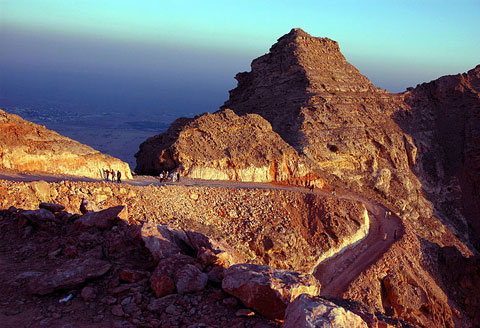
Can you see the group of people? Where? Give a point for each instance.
(169, 176)
(115, 175)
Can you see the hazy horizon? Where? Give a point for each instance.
(153, 57)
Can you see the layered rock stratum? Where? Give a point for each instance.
(29, 147)
(416, 153)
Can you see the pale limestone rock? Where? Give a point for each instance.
(307, 311)
(267, 290)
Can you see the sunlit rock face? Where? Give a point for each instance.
(225, 146)
(29, 147)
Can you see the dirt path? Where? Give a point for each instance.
(335, 273)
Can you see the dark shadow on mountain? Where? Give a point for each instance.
(444, 121)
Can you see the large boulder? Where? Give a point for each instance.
(102, 220)
(40, 218)
(210, 251)
(308, 311)
(265, 289)
(190, 279)
(162, 279)
(164, 242)
(69, 275)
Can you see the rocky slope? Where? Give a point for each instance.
(28, 147)
(284, 229)
(416, 153)
(444, 119)
(98, 270)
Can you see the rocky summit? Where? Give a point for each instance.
(32, 148)
(304, 116)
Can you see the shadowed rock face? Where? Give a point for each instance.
(155, 155)
(444, 120)
(29, 147)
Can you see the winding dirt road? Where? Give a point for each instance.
(334, 273)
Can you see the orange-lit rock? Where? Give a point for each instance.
(29, 147)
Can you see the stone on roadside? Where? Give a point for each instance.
(130, 275)
(54, 208)
(267, 290)
(158, 305)
(69, 275)
(88, 294)
(102, 220)
(117, 310)
(190, 279)
(244, 313)
(308, 311)
(162, 286)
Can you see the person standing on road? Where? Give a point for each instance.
(107, 173)
(119, 176)
(113, 175)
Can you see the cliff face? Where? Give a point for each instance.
(444, 120)
(28, 147)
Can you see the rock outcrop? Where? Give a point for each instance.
(313, 312)
(225, 146)
(337, 129)
(31, 148)
(444, 120)
(267, 290)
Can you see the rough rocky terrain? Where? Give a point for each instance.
(122, 266)
(29, 147)
(415, 153)
(281, 228)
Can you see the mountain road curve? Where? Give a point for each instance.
(334, 273)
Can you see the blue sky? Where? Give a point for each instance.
(182, 55)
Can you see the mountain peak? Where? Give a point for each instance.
(298, 38)
(299, 71)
